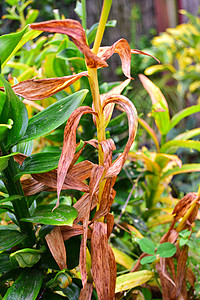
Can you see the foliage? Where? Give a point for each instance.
(65, 245)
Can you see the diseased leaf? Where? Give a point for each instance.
(136, 51)
(86, 293)
(69, 143)
(131, 112)
(37, 89)
(57, 247)
(131, 280)
(76, 32)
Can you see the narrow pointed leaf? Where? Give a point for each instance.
(188, 134)
(4, 160)
(185, 168)
(131, 280)
(37, 89)
(27, 286)
(183, 114)
(63, 215)
(160, 110)
(123, 259)
(172, 146)
(53, 116)
(150, 131)
(136, 51)
(76, 32)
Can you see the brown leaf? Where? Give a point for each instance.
(37, 89)
(19, 158)
(110, 224)
(69, 144)
(108, 146)
(166, 284)
(135, 51)
(86, 293)
(183, 205)
(57, 247)
(68, 231)
(31, 186)
(122, 48)
(75, 31)
(102, 263)
(131, 112)
(82, 170)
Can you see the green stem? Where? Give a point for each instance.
(84, 21)
(20, 206)
(163, 139)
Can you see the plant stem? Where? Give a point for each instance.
(20, 206)
(94, 85)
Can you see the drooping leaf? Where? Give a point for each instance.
(25, 258)
(69, 143)
(10, 237)
(37, 89)
(93, 29)
(86, 293)
(15, 110)
(76, 32)
(173, 145)
(53, 116)
(57, 247)
(188, 134)
(8, 43)
(4, 160)
(136, 51)
(160, 110)
(27, 286)
(185, 168)
(131, 280)
(63, 215)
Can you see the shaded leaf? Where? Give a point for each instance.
(10, 237)
(4, 160)
(63, 215)
(57, 247)
(76, 32)
(25, 257)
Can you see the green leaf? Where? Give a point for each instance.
(188, 134)
(172, 146)
(8, 43)
(27, 286)
(148, 259)
(131, 280)
(10, 237)
(62, 215)
(62, 279)
(147, 246)
(53, 116)
(93, 30)
(2, 101)
(25, 258)
(185, 233)
(79, 10)
(166, 250)
(72, 291)
(183, 114)
(40, 163)
(183, 242)
(14, 109)
(4, 160)
(4, 128)
(11, 198)
(5, 264)
(186, 168)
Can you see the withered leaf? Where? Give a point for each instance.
(102, 263)
(82, 170)
(37, 89)
(31, 186)
(57, 247)
(183, 205)
(69, 144)
(76, 229)
(136, 51)
(122, 48)
(75, 31)
(86, 293)
(131, 112)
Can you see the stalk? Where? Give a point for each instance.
(20, 206)
(94, 86)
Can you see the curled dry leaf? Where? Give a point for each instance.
(183, 205)
(136, 51)
(131, 112)
(86, 292)
(57, 247)
(75, 31)
(76, 229)
(31, 186)
(122, 48)
(103, 263)
(37, 89)
(69, 144)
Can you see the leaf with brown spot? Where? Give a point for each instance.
(75, 31)
(57, 247)
(69, 144)
(86, 293)
(37, 89)
(131, 112)
(102, 272)
(122, 48)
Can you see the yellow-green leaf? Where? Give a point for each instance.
(122, 258)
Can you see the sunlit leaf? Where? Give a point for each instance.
(147, 246)
(173, 145)
(166, 250)
(76, 32)
(150, 131)
(123, 259)
(131, 280)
